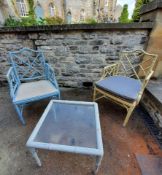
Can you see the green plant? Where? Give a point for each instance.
(28, 21)
(136, 15)
(11, 22)
(138, 5)
(25, 21)
(31, 8)
(90, 21)
(1, 2)
(41, 21)
(124, 15)
(54, 20)
(146, 1)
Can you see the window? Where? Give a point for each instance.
(107, 3)
(69, 17)
(52, 9)
(82, 15)
(39, 11)
(21, 7)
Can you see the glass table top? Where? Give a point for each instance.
(69, 124)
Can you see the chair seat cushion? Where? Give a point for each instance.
(34, 89)
(124, 87)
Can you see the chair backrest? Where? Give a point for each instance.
(137, 64)
(28, 64)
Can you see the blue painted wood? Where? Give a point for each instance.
(39, 11)
(29, 65)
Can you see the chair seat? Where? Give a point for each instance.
(35, 90)
(124, 87)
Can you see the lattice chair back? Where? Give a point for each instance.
(136, 64)
(28, 64)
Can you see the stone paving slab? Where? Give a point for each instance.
(155, 88)
(150, 164)
(120, 144)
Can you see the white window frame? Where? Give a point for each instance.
(22, 8)
(82, 15)
(52, 9)
(106, 3)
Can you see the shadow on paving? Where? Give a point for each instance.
(120, 144)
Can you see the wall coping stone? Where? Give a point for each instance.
(154, 88)
(59, 28)
(156, 4)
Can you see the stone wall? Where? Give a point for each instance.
(152, 101)
(77, 56)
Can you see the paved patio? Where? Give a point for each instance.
(120, 144)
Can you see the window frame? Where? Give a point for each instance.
(52, 9)
(22, 8)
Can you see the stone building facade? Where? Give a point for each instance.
(69, 10)
(118, 11)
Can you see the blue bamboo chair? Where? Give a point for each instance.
(30, 79)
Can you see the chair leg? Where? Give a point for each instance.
(56, 97)
(129, 112)
(94, 94)
(59, 96)
(19, 110)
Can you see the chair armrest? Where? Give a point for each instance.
(50, 75)
(145, 82)
(110, 70)
(13, 82)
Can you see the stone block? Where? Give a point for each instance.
(96, 42)
(86, 50)
(45, 36)
(45, 48)
(10, 41)
(33, 36)
(68, 42)
(88, 36)
(143, 40)
(73, 48)
(81, 42)
(57, 36)
(116, 41)
(61, 51)
(97, 60)
(107, 50)
(40, 42)
(83, 59)
(73, 36)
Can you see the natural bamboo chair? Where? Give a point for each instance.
(125, 81)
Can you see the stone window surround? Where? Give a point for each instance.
(22, 8)
(52, 9)
(82, 15)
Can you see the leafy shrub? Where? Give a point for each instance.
(54, 20)
(41, 21)
(12, 22)
(124, 15)
(28, 21)
(90, 21)
(24, 21)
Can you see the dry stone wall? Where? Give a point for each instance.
(77, 56)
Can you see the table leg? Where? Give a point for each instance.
(34, 154)
(98, 163)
